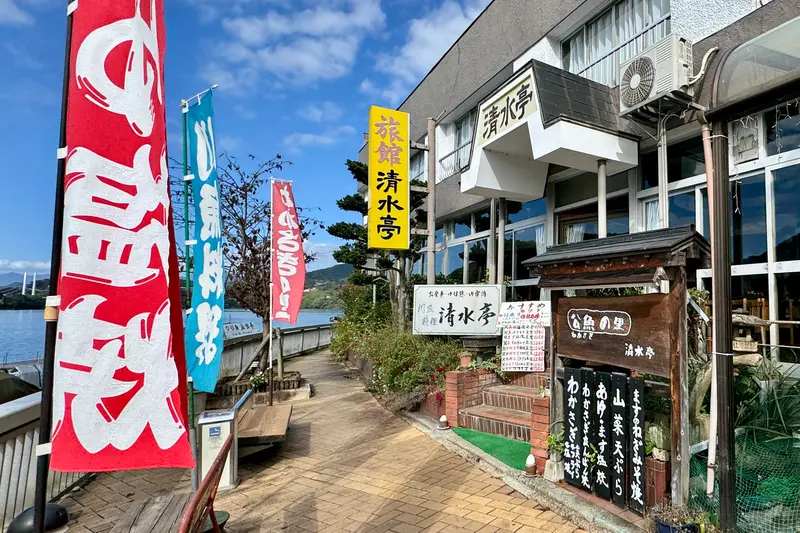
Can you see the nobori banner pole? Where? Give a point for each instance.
(271, 270)
(52, 303)
(186, 262)
(431, 254)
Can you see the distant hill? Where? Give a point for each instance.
(336, 274)
(11, 278)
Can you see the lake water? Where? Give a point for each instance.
(22, 332)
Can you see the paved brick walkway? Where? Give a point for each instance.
(347, 465)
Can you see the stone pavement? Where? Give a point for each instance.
(348, 465)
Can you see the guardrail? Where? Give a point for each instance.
(19, 435)
(240, 351)
(454, 162)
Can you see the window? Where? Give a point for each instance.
(439, 234)
(477, 261)
(684, 160)
(508, 256)
(682, 210)
(598, 48)
(584, 187)
(787, 213)
(455, 264)
(482, 221)
(528, 243)
(789, 310)
(418, 166)
(517, 212)
(749, 221)
(462, 227)
(783, 128)
(465, 127)
(580, 224)
(439, 258)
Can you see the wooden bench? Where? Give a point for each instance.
(184, 513)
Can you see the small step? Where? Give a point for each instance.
(508, 423)
(511, 397)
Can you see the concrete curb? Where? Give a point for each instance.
(561, 501)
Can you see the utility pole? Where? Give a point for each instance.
(723, 348)
(431, 254)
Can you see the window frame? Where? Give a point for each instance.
(616, 45)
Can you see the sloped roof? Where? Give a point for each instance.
(663, 241)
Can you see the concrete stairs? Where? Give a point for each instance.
(506, 412)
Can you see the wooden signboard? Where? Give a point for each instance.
(573, 428)
(619, 438)
(630, 332)
(636, 391)
(602, 481)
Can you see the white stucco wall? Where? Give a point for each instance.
(697, 19)
(546, 51)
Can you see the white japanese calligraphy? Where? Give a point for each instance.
(207, 331)
(206, 149)
(210, 279)
(89, 352)
(209, 213)
(134, 98)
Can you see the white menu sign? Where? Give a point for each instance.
(234, 330)
(524, 337)
(456, 309)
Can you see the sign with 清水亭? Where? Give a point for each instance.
(456, 309)
(630, 332)
(509, 107)
(388, 225)
(524, 338)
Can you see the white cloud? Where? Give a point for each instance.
(296, 142)
(20, 55)
(427, 40)
(324, 112)
(13, 15)
(245, 112)
(323, 254)
(7, 265)
(293, 47)
(228, 144)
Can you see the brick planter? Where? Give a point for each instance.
(540, 430)
(464, 388)
(658, 476)
(433, 407)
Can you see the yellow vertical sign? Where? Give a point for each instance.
(389, 188)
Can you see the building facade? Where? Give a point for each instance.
(531, 131)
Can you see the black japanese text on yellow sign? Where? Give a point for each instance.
(389, 188)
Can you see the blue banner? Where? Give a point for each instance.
(204, 324)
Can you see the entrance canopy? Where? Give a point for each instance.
(544, 116)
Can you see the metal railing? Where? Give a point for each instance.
(454, 162)
(240, 351)
(19, 434)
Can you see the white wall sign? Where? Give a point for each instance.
(524, 338)
(456, 309)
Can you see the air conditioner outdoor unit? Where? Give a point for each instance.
(664, 68)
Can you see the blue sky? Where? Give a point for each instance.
(296, 77)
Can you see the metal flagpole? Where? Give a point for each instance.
(271, 285)
(52, 302)
(187, 262)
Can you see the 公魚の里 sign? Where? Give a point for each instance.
(388, 225)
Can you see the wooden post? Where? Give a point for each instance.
(679, 388)
(556, 389)
(280, 354)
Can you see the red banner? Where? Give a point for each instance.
(288, 260)
(120, 375)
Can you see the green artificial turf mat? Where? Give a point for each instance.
(511, 452)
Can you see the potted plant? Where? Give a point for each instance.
(555, 446)
(670, 518)
(259, 381)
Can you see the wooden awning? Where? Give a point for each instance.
(634, 277)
